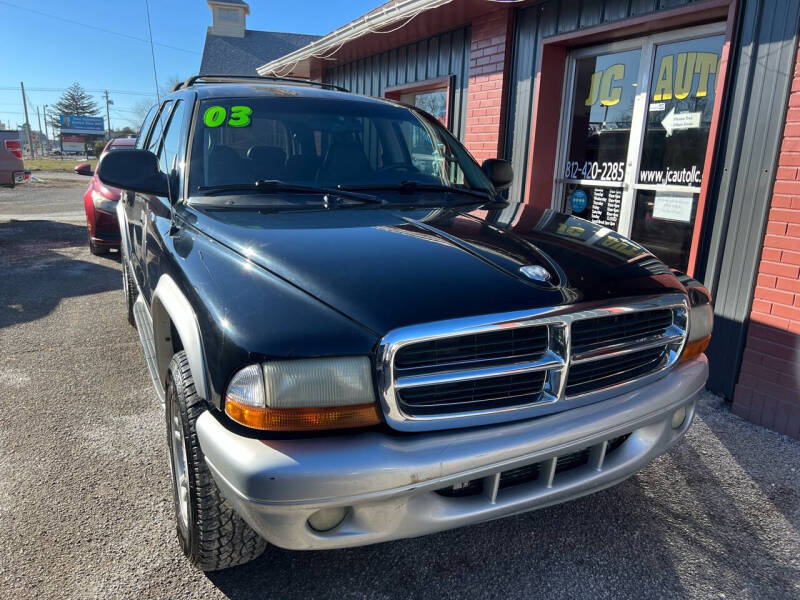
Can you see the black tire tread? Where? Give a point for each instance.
(98, 250)
(220, 538)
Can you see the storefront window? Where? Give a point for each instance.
(600, 128)
(679, 114)
(635, 135)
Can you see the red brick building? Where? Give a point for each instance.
(673, 122)
(768, 390)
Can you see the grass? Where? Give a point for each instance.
(56, 164)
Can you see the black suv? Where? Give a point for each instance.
(357, 339)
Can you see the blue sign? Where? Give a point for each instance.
(578, 200)
(79, 124)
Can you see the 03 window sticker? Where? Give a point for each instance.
(215, 116)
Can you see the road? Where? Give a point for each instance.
(86, 510)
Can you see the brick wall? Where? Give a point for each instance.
(491, 37)
(768, 390)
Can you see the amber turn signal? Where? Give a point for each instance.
(303, 419)
(694, 349)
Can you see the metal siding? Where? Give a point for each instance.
(570, 15)
(518, 125)
(614, 11)
(439, 56)
(642, 7)
(591, 13)
(744, 174)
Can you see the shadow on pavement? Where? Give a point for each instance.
(39, 266)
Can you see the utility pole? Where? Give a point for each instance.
(27, 122)
(47, 135)
(41, 142)
(108, 116)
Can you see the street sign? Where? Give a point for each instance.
(80, 124)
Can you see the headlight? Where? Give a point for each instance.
(102, 203)
(304, 395)
(701, 320)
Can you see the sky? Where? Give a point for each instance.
(45, 47)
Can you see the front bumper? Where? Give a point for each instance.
(389, 483)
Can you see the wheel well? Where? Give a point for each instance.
(177, 344)
(175, 330)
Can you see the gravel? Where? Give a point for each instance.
(86, 511)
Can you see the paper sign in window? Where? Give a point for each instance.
(673, 207)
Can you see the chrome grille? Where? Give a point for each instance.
(600, 374)
(489, 393)
(590, 334)
(497, 368)
(524, 343)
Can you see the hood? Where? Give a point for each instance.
(387, 268)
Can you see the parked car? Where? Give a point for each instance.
(351, 349)
(100, 203)
(12, 167)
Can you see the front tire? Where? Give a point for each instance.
(212, 535)
(97, 249)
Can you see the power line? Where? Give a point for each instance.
(103, 29)
(6, 88)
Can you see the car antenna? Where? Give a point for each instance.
(172, 228)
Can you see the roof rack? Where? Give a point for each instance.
(263, 78)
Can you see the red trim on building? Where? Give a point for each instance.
(713, 138)
(488, 80)
(768, 391)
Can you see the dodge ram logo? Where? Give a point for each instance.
(535, 272)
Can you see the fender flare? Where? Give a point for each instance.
(170, 305)
(122, 221)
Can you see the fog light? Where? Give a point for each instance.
(327, 518)
(678, 417)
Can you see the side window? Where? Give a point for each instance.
(172, 139)
(159, 127)
(148, 120)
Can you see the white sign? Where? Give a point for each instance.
(673, 206)
(74, 146)
(657, 106)
(686, 120)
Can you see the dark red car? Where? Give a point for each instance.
(100, 202)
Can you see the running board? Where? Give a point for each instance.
(144, 325)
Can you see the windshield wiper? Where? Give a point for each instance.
(414, 186)
(271, 186)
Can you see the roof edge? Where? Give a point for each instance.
(375, 20)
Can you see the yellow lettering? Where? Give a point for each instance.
(684, 74)
(611, 96)
(664, 83)
(706, 66)
(593, 88)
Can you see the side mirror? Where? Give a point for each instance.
(134, 171)
(84, 169)
(499, 172)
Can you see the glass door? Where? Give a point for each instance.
(635, 135)
(599, 122)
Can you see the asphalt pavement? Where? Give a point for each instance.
(86, 507)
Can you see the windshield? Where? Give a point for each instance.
(325, 143)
